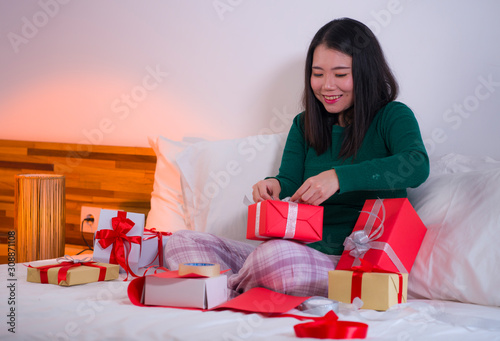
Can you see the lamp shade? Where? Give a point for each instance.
(40, 216)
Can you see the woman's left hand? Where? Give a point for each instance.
(318, 188)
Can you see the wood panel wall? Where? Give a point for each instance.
(99, 176)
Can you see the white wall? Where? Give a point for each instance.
(114, 72)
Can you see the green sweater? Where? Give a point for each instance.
(391, 158)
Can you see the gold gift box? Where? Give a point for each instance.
(77, 275)
(379, 291)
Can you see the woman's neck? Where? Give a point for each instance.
(341, 121)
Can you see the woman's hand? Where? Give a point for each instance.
(317, 189)
(268, 189)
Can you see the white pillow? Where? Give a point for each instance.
(217, 176)
(166, 212)
(460, 252)
(457, 163)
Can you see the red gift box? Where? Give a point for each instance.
(287, 220)
(388, 234)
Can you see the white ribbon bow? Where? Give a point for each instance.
(70, 259)
(359, 242)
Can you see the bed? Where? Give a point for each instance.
(205, 185)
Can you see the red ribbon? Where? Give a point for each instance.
(157, 234)
(64, 268)
(117, 237)
(328, 327)
(357, 278)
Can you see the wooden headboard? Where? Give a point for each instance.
(99, 176)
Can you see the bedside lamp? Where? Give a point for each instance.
(40, 216)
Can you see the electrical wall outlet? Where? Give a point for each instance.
(89, 226)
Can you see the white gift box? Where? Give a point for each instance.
(132, 249)
(185, 292)
(149, 253)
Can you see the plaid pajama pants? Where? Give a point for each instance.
(280, 265)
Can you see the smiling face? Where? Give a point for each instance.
(331, 79)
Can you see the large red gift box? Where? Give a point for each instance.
(388, 234)
(283, 219)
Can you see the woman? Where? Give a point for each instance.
(353, 142)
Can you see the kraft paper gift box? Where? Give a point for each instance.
(388, 234)
(283, 219)
(118, 239)
(72, 273)
(378, 291)
(169, 289)
(153, 248)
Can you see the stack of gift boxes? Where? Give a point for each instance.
(377, 257)
(121, 244)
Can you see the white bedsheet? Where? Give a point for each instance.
(102, 311)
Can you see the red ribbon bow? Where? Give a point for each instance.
(157, 234)
(62, 273)
(357, 278)
(329, 327)
(117, 237)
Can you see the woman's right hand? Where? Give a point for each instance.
(268, 189)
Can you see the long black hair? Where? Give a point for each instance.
(374, 85)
